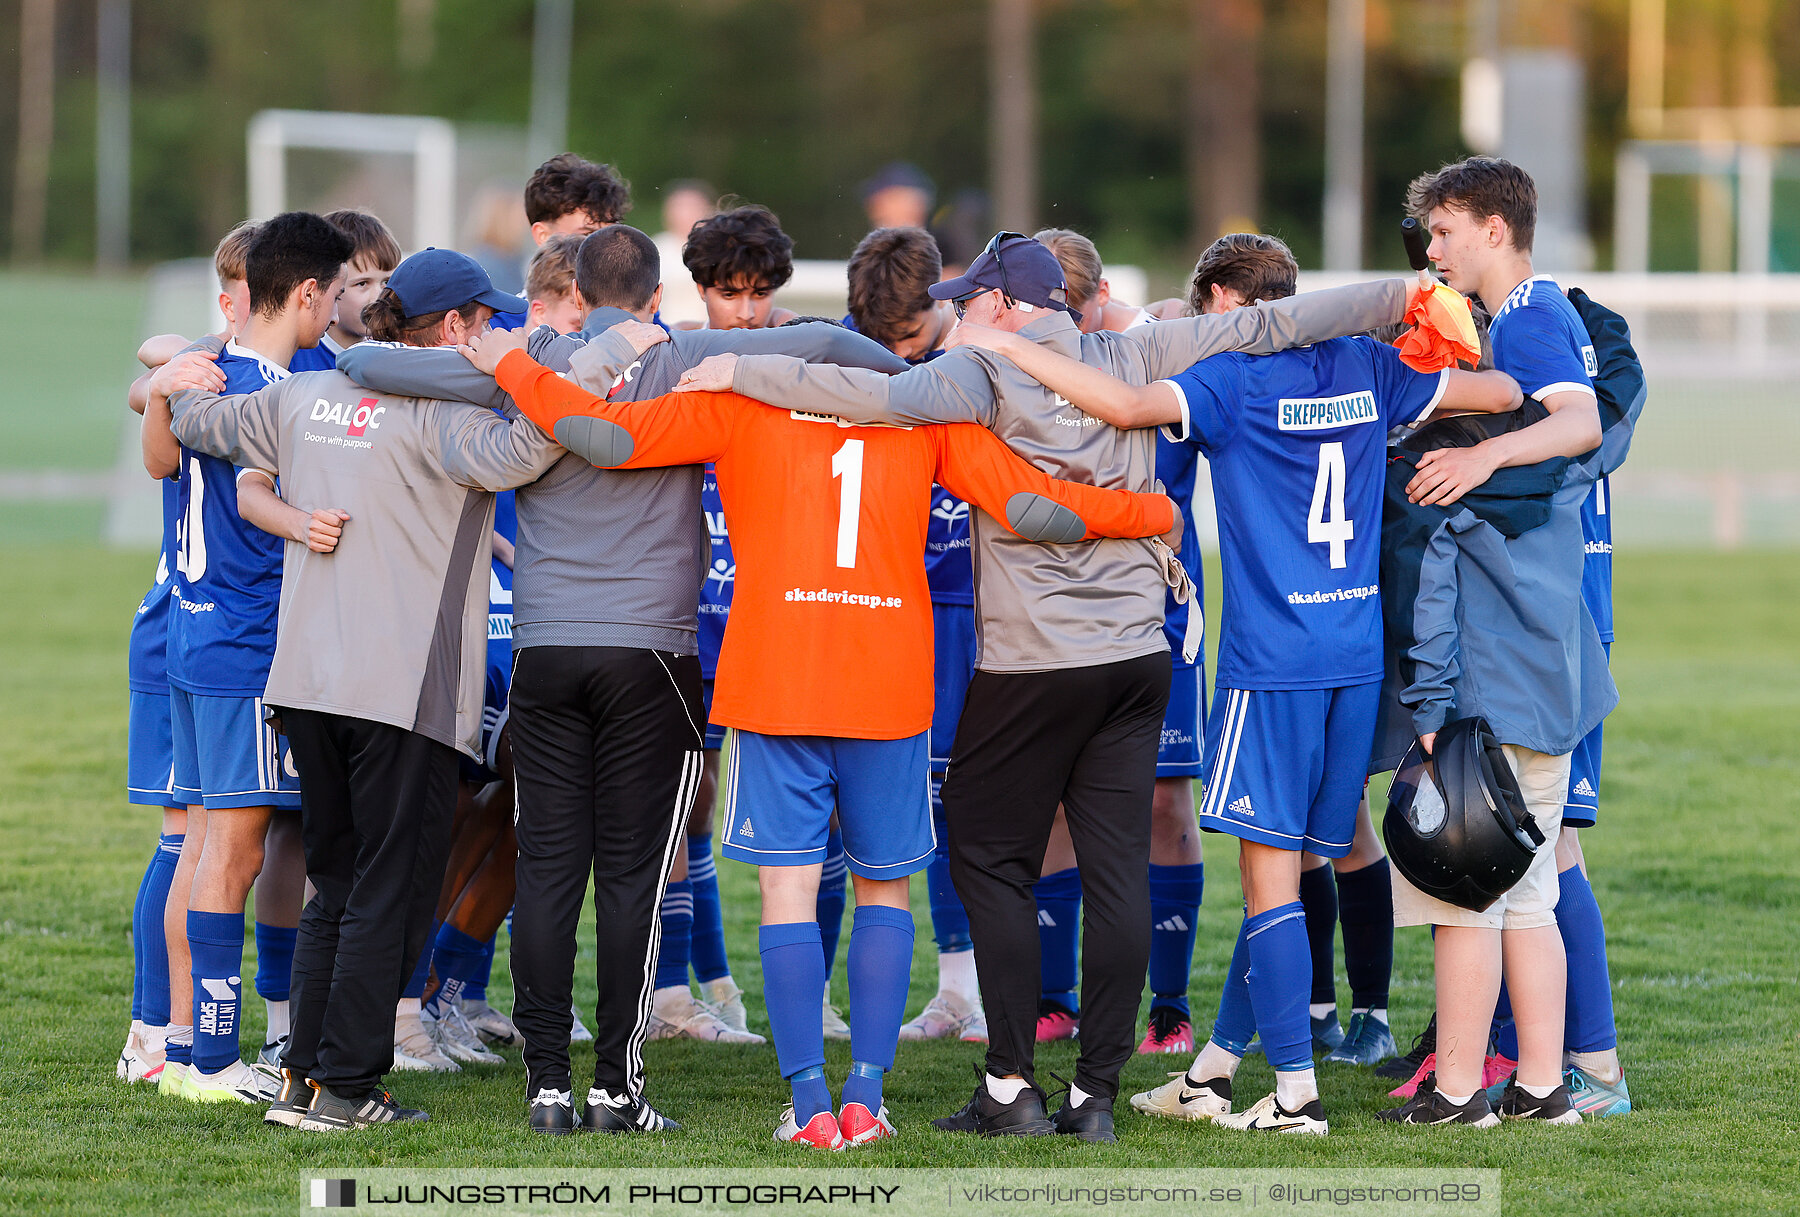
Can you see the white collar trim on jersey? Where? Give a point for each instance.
(271, 371)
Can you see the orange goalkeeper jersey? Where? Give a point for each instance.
(830, 628)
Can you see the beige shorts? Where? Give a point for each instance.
(1531, 902)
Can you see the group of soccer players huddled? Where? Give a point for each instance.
(448, 622)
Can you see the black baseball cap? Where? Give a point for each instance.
(1024, 269)
(434, 280)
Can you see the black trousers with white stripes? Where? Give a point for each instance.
(1086, 738)
(607, 754)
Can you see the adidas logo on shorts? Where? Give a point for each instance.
(744, 829)
(1584, 787)
(1177, 923)
(1044, 917)
(1241, 806)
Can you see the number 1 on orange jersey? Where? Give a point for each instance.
(847, 463)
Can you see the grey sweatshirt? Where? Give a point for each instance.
(607, 557)
(392, 625)
(1042, 607)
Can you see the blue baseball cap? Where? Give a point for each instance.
(1022, 268)
(434, 280)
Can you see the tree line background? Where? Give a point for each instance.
(1160, 122)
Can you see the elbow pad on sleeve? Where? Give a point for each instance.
(595, 440)
(1037, 518)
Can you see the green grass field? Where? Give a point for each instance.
(1694, 862)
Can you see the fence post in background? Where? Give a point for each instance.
(552, 33)
(1012, 84)
(37, 127)
(112, 136)
(1631, 211)
(1344, 135)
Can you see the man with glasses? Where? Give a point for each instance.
(1067, 701)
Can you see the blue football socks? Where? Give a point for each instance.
(1236, 1021)
(274, 960)
(880, 972)
(677, 916)
(457, 957)
(1175, 893)
(1280, 979)
(1059, 935)
(832, 878)
(216, 942)
(794, 993)
(1366, 907)
(151, 1004)
(415, 984)
(708, 935)
(476, 988)
(1588, 1020)
(949, 920)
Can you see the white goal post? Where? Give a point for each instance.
(430, 142)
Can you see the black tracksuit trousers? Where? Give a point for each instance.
(376, 803)
(1087, 738)
(607, 756)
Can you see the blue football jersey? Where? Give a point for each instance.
(147, 669)
(1176, 465)
(721, 576)
(322, 358)
(227, 570)
(1297, 444)
(506, 321)
(1539, 340)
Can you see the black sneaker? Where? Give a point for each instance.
(1423, 1045)
(329, 1113)
(1092, 1121)
(1427, 1106)
(291, 1102)
(552, 1112)
(607, 1112)
(987, 1116)
(1556, 1108)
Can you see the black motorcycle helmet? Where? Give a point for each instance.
(1456, 824)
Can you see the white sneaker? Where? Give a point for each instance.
(1183, 1099)
(835, 1026)
(137, 1063)
(727, 1001)
(491, 1025)
(944, 1018)
(676, 1014)
(1270, 1116)
(451, 1032)
(414, 1049)
(236, 1083)
(578, 1032)
(273, 1053)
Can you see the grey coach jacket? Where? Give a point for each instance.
(391, 626)
(1042, 607)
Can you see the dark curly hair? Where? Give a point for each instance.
(743, 247)
(567, 183)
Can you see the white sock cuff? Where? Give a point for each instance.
(1005, 1089)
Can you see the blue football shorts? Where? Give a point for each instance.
(1285, 767)
(496, 698)
(150, 753)
(1184, 724)
(780, 791)
(953, 645)
(1582, 807)
(227, 756)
